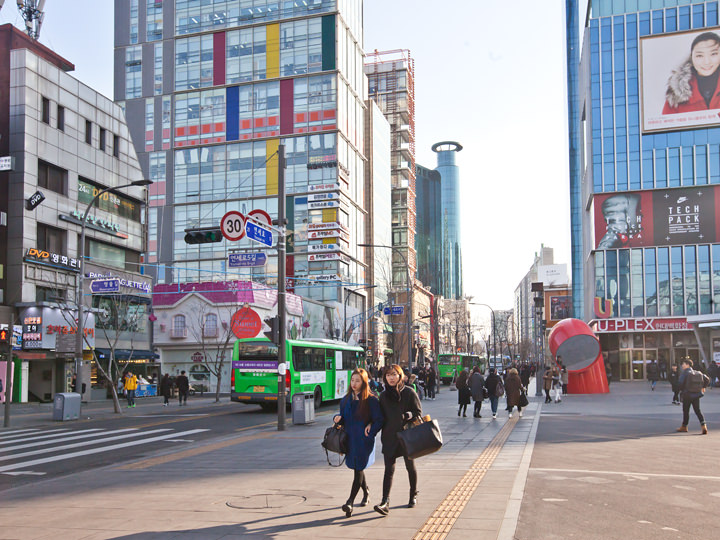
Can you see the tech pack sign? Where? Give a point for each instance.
(659, 217)
(644, 324)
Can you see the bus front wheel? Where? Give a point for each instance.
(317, 398)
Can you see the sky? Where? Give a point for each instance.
(489, 74)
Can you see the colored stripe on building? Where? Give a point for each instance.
(271, 174)
(232, 113)
(272, 52)
(328, 42)
(287, 99)
(219, 58)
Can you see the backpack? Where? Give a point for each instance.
(499, 389)
(695, 382)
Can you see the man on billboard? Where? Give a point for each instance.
(623, 220)
(693, 86)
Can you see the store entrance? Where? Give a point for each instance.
(633, 363)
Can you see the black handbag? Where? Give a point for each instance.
(523, 402)
(336, 441)
(421, 439)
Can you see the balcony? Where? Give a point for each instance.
(178, 333)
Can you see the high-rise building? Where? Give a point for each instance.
(428, 237)
(524, 308)
(391, 84)
(450, 218)
(211, 89)
(644, 176)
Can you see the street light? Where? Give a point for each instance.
(409, 297)
(81, 323)
(492, 311)
(345, 301)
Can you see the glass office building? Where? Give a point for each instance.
(644, 174)
(428, 237)
(210, 90)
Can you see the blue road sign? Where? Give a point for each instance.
(244, 260)
(100, 286)
(386, 311)
(259, 234)
(398, 310)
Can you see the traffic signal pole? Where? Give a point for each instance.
(8, 371)
(282, 314)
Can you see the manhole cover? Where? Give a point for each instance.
(265, 500)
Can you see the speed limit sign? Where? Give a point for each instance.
(232, 225)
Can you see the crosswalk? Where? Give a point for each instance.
(25, 451)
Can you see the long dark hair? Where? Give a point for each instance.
(401, 376)
(363, 411)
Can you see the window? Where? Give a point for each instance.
(308, 359)
(116, 146)
(154, 20)
(101, 143)
(88, 132)
(211, 325)
(50, 239)
(52, 177)
(349, 360)
(61, 118)
(45, 110)
(133, 72)
(50, 294)
(178, 326)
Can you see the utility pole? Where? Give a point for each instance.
(282, 316)
(8, 371)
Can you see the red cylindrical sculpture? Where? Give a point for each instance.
(575, 342)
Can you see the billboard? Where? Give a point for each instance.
(660, 217)
(679, 80)
(560, 307)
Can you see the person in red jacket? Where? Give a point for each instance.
(694, 85)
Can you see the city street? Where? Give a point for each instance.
(605, 466)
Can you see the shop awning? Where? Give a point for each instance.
(125, 354)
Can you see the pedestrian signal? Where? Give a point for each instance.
(4, 336)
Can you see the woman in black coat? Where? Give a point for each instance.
(165, 389)
(464, 392)
(399, 404)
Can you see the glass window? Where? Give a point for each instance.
(106, 254)
(50, 239)
(149, 124)
(158, 82)
(52, 177)
(624, 282)
(133, 21)
(716, 278)
(178, 324)
(664, 281)
(599, 274)
(612, 280)
(45, 112)
(676, 284)
(704, 279)
(154, 20)
(651, 305)
(211, 325)
(636, 285)
(133, 72)
(308, 359)
(690, 281)
(61, 118)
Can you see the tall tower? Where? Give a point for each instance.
(450, 209)
(391, 83)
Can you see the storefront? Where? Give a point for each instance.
(630, 345)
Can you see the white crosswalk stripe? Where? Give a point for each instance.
(18, 434)
(52, 448)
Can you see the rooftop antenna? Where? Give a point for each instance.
(32, 12)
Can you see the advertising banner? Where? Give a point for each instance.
(559, 307)
(659, 217)
(679, 80)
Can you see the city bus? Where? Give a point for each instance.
(450, 364)
(321, 367)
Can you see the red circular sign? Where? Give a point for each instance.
(246, 323)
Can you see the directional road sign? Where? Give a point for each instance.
(99, 286)
(244, 260)
(398, 310)
(232, 225)
(386, 311)
(258, 234)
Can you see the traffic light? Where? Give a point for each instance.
(274, 333)
(204, 235)
(4, 336)
(543, 325)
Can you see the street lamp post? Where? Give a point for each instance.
(409, 298)
(80, 283)
(492, 311)
(345, 302)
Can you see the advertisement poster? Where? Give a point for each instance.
(559, 307)
(679, 80)
(660, 217)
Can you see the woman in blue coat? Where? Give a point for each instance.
(360, 414)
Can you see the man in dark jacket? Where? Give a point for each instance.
(430, 382)
(491, 383)
(183, 386)
(691, 392)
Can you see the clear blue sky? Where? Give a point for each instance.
(489, 74)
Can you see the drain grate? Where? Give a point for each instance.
(263, 501)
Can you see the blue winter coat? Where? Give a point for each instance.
(361, 448)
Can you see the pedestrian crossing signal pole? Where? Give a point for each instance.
(281, 289)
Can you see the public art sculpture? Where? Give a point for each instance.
(579, 349)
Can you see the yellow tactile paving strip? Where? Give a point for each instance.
(441, 521)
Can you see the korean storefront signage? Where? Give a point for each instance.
(48, 258)
(143, 286)
(647, 324)
(42, 326)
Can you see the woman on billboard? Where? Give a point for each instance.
(693, 86)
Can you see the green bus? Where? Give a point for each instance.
(321, 367)
(450, 364)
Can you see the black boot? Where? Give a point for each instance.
(413, 499)
(347, 508)
(383, 508)
(366, 497)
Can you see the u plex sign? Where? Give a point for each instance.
(659, 217)
(640, 325)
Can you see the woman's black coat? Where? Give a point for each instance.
(393, 410)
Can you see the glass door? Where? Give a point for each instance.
(650, 355)
(625, 365)
(638, 365)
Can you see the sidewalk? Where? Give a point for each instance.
(268, 484)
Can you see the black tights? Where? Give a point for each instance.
(358, 482)
(462, 409)
(478, 406)
(390, 471)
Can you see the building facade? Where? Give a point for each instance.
(428, 238)
(649, 165)
(524, 308)
(211, 89)
(67, 143)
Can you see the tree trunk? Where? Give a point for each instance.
(116, 401)
(218, 385)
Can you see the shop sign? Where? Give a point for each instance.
(641, 325)
(246, 323)
(49, 258)
(323, 204)
(143, 286)
(98, 222)
(326, 226)
(324, 257)
(197, 357)
(323, 247)
(329, 196)
(327, 187)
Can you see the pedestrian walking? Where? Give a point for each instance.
(513, 386)
(493, 384)
(399, 404)
(165, 389)
(478, 391)
(713, 373)
(130, 384)
(362, 418)
(652, 374)
(692, 388)
(183, 386)
(674, 379)
(525, 372)
(430, 382)
(464, 393)
(564, 377)
(556, 384)
(547, 384)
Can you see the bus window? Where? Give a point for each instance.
(349, 360)
(308, 359)
(329, 359)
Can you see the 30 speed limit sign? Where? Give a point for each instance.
(232, 225)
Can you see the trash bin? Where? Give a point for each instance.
(303, 409)
(66, 406)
